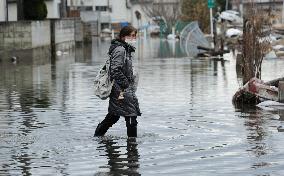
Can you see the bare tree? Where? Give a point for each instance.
(166, 10)
(256, 41)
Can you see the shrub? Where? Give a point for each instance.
(35, 10)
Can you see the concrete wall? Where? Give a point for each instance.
(12, 12)
(40, 31)
(35, 34)
(2, 10)
(64, 31)
(24, 35)
(15, 35)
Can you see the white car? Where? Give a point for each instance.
(232, 16)
(232, 32)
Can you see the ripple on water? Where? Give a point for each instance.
(48, 115)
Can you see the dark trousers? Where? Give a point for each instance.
(131, 124)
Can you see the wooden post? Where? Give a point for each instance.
(281, 114)
(281, 91)
(239, 65)
(52, 41)
(215, 37)
(223, 34)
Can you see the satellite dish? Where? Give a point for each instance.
(191, 37)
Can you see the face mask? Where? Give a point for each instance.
(131, 42)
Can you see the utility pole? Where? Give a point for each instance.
(211, 21)
(63, 8)
(211, 4)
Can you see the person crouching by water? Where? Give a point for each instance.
(122, 100)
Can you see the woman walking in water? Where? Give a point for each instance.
(122, 100)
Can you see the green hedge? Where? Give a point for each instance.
(35, 9)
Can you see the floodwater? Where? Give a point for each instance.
(48, 114)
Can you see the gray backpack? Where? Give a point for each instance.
(102, 82)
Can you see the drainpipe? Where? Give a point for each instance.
(283, 12)
(242, 9)
(227, 4)
(7, 11)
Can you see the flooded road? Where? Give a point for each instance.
(48, 114)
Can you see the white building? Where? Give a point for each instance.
(145, 20)
(53, 8)
(11, 10)
(109, 13)
(2, 10)
(276, 6)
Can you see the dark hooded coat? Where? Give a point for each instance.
(121, 71)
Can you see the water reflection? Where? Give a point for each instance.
(257, 131)
(170, 49)
(120, 162)
(25, 162)
(281, 114)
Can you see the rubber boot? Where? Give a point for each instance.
(131, 124)
(106, 124)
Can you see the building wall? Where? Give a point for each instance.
(12, 12)
(144, 18)
(116, 11)
(2, 10)
(87, 16)
(80, 2)
(120, 13)
(102, 2)
(53, 9)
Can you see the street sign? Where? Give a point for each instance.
(211, 3)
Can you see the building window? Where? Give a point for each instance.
(105, 26)
(101, 8)
(85, 8)
(89, 8)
